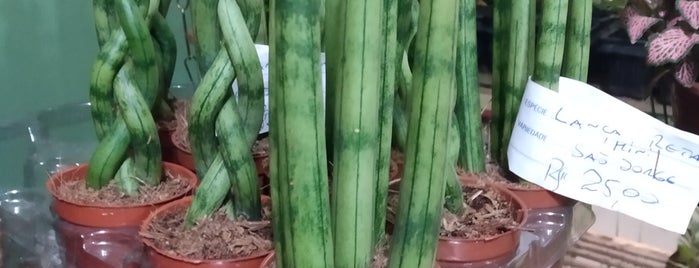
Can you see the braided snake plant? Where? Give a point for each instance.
(222, 129)
(131, 74)
(400, 72)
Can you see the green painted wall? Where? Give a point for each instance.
(46, 50)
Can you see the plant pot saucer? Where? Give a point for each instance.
(99, 247)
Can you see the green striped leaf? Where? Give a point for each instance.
(551, 43)
(577, 44)
(298, 164)
(415, 235)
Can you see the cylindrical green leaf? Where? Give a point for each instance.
(414, 239)
(207, 101)
(207, 32)
(298, 164)
(551, 43)
(105, 20)
(514, 78)
(242, 53)
(168, 46)
(356, 131)
(147, 165)
(245, 191)
(109, 61)
(211, 192)
(388, 78)
(468, 106)
(453, 195)
(501, 13)
(577, 45)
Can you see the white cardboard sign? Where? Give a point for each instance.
(586, 145)
(263, 54)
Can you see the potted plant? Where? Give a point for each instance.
(672, 29)
(206, 43)
(125, 179)
(223, 223)
(302, 217)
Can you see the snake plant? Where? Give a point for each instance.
(561, 49)
(133, 68)
(222, 129)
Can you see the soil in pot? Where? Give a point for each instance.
(487, 214)
(487, 232)
(212, 239)
(76, 191)
(110, 207)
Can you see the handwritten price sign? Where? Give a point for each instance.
(586, 145)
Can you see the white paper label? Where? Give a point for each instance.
(263, 54)
(586, 145)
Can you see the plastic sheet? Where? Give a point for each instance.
(34, 237)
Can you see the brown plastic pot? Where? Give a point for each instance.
(540, 198)
(261, 162)
(456, 252)
(166, 259)
(685, 108)
(109, 216)
(268, 261)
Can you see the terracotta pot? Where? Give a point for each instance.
(109, 216)
(540, 198)
(536, 197)
(182, 156)
(165, 259)
(261, 162)
(268, 262)
(685, 108)
(456, 252)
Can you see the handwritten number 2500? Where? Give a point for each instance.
(601, 184)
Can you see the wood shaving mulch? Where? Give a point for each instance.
(76, 191)
(213, 238)
(487, 214)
